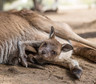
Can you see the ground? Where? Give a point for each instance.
(83, 23)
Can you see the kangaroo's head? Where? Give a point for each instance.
(51, 48)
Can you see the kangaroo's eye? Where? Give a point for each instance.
(53, 52)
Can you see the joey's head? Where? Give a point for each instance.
(51, 48)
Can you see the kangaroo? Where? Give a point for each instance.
(28, 25)
(50, 51)
(46, 49)
(63, 31)
(43, 23)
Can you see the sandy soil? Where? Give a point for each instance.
(83, 22)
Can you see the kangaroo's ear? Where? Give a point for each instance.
(66, 47)
(52, 33)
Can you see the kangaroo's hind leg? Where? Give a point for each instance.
(69, 63)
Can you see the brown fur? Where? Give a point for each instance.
(43, 23)
(86, 52)
(46, 50)
(28, 25)
(13, 30)
(62, 30)
(49, 51)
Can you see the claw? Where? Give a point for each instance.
(77, 72)
(24, 62)
(36, 66)
(25, 56)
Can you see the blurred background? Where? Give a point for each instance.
(45, 5)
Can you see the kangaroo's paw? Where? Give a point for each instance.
(35, 66)
(77, 72)
(24, 62)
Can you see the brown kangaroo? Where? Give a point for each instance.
(28, 25)
(63, 31)
(50, 51)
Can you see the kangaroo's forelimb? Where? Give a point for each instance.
(21, 49)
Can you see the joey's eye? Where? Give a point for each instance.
(53, 52)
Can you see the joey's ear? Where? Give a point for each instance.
(66, 47)
(52, 33)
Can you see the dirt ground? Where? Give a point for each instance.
(83, 22)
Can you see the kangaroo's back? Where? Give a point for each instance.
(13, 27)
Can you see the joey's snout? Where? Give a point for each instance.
(45, 53)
